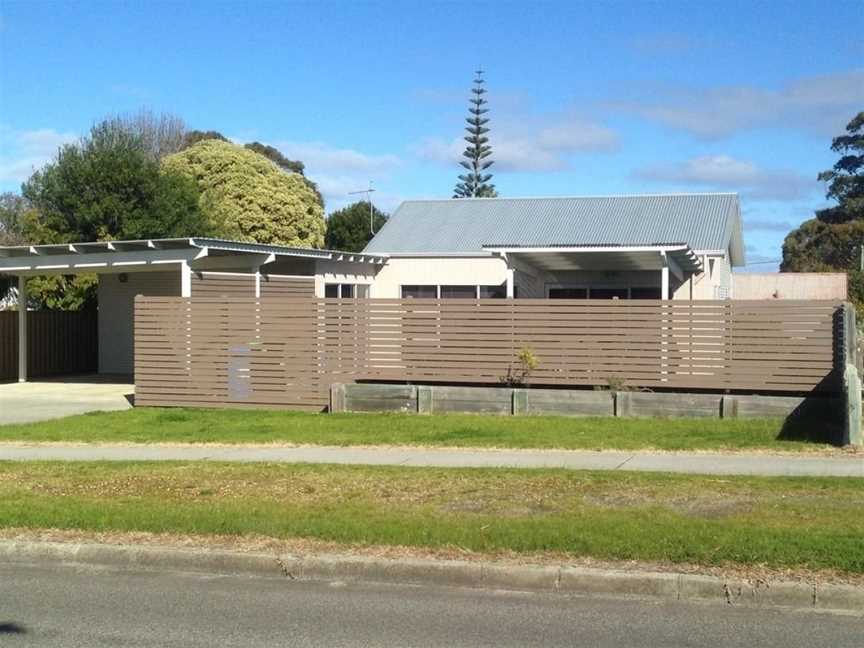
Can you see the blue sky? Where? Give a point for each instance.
(586, 97)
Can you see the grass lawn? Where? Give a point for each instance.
(149, 425)
(771, 522)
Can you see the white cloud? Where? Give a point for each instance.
(340, 171)
(820, 104)
(322, 158)
(728, 173)
(529, 145)
(25, 151)
(766, 225)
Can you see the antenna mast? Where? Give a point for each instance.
(368, 193)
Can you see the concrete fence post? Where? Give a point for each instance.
(424, 399)
(519, 400)
(852, 432)
(337, 398)
(729, 407)
(622, 403)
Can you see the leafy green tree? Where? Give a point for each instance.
(108, 186)
(274, 154)
(348, 228)
(291, 166)
(193, 137)
(13, 210)
(833, 240)
(248, 197)
(475, 183)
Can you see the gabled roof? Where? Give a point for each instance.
(704, 222)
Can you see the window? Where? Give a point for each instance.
(493, 292)
(645, 293)
(465, 291)
(419, 292)
(458, 292)
(568, 293)
(609, 293)
(345, 291)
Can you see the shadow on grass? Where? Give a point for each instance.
(815, 420)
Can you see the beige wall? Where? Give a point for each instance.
(790, 285)
(531, 283)
(344, 272)
(482, 271)
(714, 282)
(117, 311)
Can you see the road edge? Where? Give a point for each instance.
(451, 573)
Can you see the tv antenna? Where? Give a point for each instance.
(368, 193)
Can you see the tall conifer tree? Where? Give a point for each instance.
(475, 183)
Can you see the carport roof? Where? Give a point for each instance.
(19, 258)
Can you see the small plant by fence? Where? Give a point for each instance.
(287, 352)
(58, 342)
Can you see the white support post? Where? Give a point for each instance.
(664, 277)
(185, 279)
(22, 328)
(664, 295)
(510, 288)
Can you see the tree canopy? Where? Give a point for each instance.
(475, 183)
(348, 228)
(13, 212)
(832, 241)
(107, 187)
(248, 198)
(158, 135)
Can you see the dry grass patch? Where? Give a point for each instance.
(778, 523)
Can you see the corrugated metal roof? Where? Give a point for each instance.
(709, 221)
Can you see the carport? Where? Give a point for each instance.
(164, 267)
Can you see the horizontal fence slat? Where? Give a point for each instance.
(286, 350)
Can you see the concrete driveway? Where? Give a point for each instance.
(41, 400)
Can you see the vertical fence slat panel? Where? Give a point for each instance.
(58, 343)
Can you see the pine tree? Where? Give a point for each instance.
(475, 183)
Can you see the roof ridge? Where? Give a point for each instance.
(573, 197)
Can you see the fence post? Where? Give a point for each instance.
(852, 434)
(519, 402)
(337, 398)
(424, 399)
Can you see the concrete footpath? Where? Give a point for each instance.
(552, 579)
(692, 463)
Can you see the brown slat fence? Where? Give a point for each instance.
(287, 352)
(58, 343)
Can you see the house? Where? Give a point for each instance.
(675, 246)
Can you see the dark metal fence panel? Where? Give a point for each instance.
(58, 343)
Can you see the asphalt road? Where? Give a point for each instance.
(50, 605)
(699, 463)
